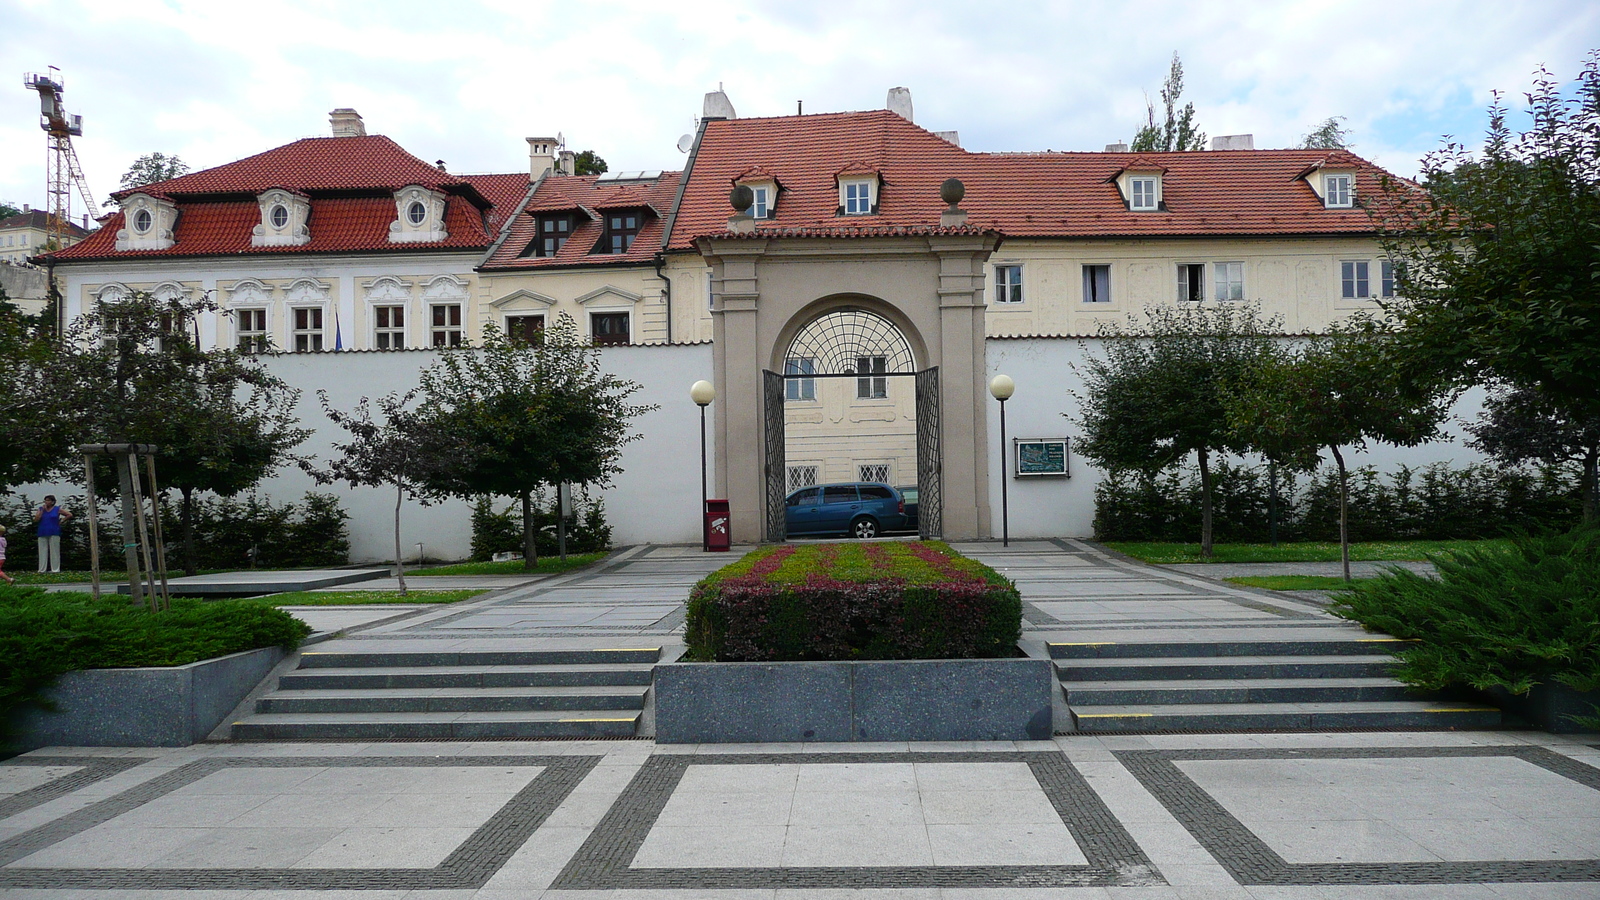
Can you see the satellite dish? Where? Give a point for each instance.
(685, 143)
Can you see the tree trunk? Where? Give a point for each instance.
(1344, 519)
(1205, 505)
(1272, 502)
(191, 566)
(530, 553)
(1591, 486)
(399, 561)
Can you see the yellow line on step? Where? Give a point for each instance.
(627, 650)
(1463, 709)
(1082, 644)
(1387, 640)
(1113, 715)
(629, 719)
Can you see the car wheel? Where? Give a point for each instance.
(864, 528)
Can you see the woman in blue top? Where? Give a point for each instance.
(50, 518)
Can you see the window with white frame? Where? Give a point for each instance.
(1354, 280)
(876, 472)
(1097, 284)
(526, 329)
(1008, 284)
(760, 207)
(1142, 193)
(874, 386)
(445, 330)
(608, 329)
(1386, 278)
(802, 477)
(1228, 277)
(307, 332)
(389, 327)
(800, 388)
(1336, 191)
(857, 197)
(252, 330)
(1191, 282)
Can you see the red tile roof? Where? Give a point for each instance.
(350, 181)
(38, 218)
(585, 193)
(1225, 192)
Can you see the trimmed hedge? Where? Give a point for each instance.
(44, 634)
(918, 600)
(501, 532)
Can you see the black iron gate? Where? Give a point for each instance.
(777, 473)
(930, 462)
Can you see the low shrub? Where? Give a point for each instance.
(501, 532)
(1508, 616)
(45, 634)
(918, 600)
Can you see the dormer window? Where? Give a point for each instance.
(279, 217)
(621, 228)
(416, 213)
(419, 216)
(150, 222)
(553, 233)
(760, 206)
(1142, 193)
(1337, 191)
(284, 217)
(142, 221)
(855, 196)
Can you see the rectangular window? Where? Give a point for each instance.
(1008, 284)
(1143, 191)
(609, 328)
(840, 493)
(1191, 282)
(621, 229)
(802, 477)
(711, 293)
(873, 388)
(857, 198)
(1336, 191)
(252, 330)
(1354, 283)
(389, 327)
(172, 326)
(799, 388)
(527, 329)
(1097, 284)
(1386, 277)
(553, 233)
(308, 329)
(760, 207)
(446, 328)
(1229, 279)
(874, 472)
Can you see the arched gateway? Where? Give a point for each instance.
(856, 343)
(913, 299)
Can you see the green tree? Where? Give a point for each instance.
(1178, 131)
(1519, 424)
(395, 452)
(1158, 394)
(513, 416)
(1333, 391)
(133, 371)
(589, 162)
(1330, 135)
(1497, 259)
(35, 438)
(9, 209)
(149, 169)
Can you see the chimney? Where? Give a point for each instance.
(347, 123)
(1233, 142)
(717, 106)
(25, 208)
(1116, 148)
(899, 103)
(542, 155)
(953, 137)
(567, 163)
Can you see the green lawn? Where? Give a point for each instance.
(357, 598)
(1295, 582)
(547, 565)
(1310, 551)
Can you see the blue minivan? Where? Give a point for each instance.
(858, 509)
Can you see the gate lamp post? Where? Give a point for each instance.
(1002, 387)
(702, 393)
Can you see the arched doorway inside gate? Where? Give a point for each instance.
(852, 399)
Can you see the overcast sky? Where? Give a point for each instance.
(466, 82)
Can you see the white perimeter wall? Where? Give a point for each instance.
(1056, 507)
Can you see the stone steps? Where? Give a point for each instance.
(467, 695)
(1248, 685)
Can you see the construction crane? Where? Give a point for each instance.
(62, 171)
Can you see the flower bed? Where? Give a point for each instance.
(859, 601)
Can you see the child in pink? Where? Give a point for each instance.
(8, 578)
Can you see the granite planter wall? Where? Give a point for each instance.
(1550, 705)
(169, 706)
(898, 700)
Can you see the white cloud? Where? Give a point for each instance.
(216, 81)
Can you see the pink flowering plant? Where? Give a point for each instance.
(912, 600)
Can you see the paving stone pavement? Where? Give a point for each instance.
(1267, 816)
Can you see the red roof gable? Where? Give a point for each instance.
(371, 162)
(1018, 194)
(561, 193)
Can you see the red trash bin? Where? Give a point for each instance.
(718, 530)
